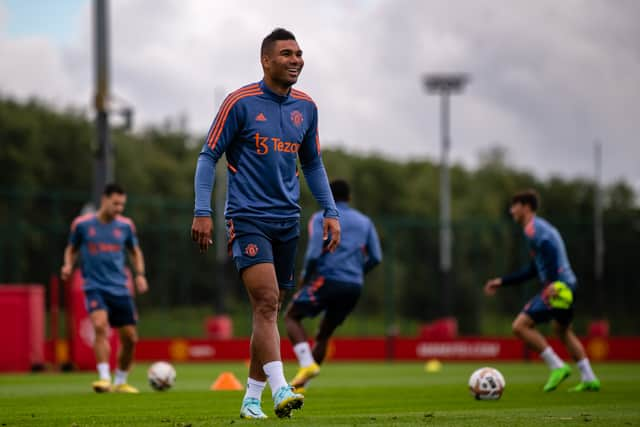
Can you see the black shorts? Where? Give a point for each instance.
(336, 299)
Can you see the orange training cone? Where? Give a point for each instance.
(226, 381)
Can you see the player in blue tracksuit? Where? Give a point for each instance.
(332, 282)
(265, 128)
(101, 240)
(550, 265)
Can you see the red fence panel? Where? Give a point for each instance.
(22, 331)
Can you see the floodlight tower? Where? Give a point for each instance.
(445, 85)
(598, 232)
(103, 163)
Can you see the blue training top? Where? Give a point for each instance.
(550, 261)
(359, 250)
(263, 134)
(102, 251)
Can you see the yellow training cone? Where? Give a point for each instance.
(433, 365)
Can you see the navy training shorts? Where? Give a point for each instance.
(121, 309)
(541, 311)
(252, 241)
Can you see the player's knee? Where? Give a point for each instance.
(324, 333)
(289, 319)
(266, 307)
(292, 315)
(133, 340)
(101, 330)
(517, 328)
(562, 332)
(130, 337)
(322, 337)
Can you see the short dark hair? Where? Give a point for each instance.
(528, 197)
(275, 35)
(112, 188)
(340, 189)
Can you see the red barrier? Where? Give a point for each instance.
(22, 331)
(218, 327)
(440, 329)
(371, 349)
(54, 309)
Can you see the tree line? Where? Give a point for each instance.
(46, 161)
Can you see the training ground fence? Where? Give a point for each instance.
(404, 292)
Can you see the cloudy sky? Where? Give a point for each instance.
(548, 77)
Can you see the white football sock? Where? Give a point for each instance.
(121, 377)
(254, 388)
(275, 375)
(303, 353)
(585, 370)
(551, 358)
(103, 371)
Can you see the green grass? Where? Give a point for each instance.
(349, 394)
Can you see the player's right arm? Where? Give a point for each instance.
(69, 260)
(71, 252)
(222, 132)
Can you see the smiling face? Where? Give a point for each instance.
(282, 64)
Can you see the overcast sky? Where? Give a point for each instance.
(548, 77)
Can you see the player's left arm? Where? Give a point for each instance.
(314, 247)
(136, 258)
(316, 176)
(549, 254)
(374, 251)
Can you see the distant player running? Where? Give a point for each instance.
(102, 239)
(332, 282)
(264, 128)
(555, 302)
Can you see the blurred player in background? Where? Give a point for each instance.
(101, 240)
(331, 282)
(555, 302)
(264, 128)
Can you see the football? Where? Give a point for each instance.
(486, 384)
(161, 376)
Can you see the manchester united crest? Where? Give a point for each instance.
(251, 249)
(296, 118)
(117, 233)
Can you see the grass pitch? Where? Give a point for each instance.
(346, 394)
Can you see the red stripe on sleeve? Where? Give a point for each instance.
(224, 112)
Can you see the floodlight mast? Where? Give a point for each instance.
(445, 84)
(103, 162)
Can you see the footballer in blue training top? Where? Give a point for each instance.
(550, 265)
(331, 282)
(264, 128)
(102, 240)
